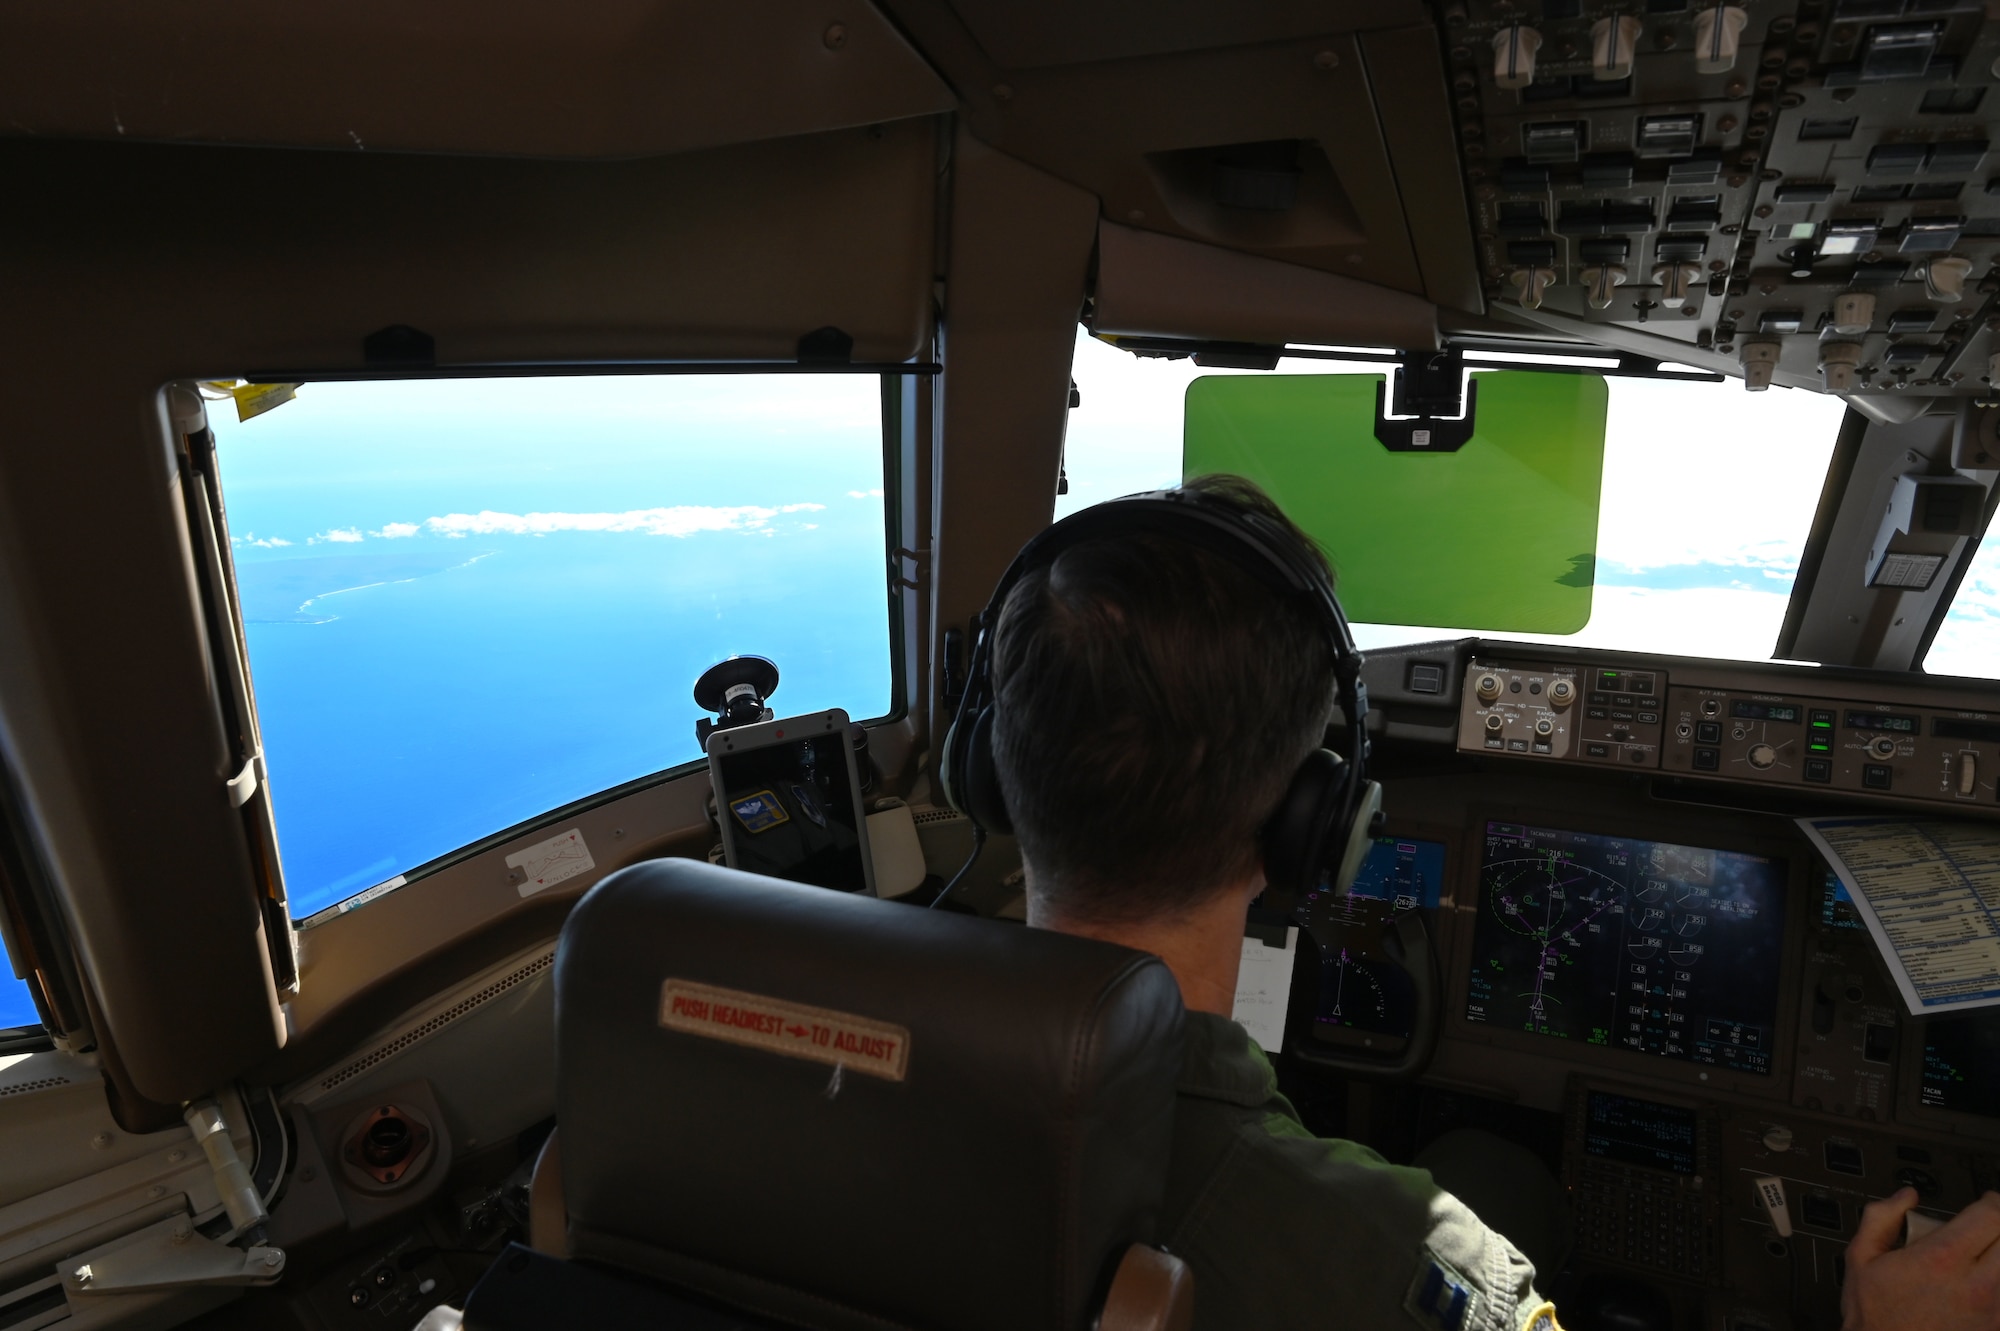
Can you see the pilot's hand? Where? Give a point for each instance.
(1948, 1280)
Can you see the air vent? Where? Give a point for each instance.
(430, 1025)
(926, 817)
(38, 1084)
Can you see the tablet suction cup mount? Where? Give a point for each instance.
(735, 691)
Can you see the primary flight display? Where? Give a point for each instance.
(1629, 944)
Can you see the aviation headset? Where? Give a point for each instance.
(1323, 824)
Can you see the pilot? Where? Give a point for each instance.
(1152, 701)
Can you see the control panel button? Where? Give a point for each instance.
(1877, 777)
(1545, 727)
(1708, 732)
(1882, 747)
(1820, 770)
(1844, 1157)
(1597, 750)
(1649, 718)
(1562, 692)
(1488, 688)
(1707, 760)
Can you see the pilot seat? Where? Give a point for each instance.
(779, 1105)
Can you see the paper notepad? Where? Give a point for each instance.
(1264, 985)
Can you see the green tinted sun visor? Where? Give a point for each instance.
(1499, 534)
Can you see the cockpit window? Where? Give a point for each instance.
(1968, 640)
(1709, 494)
(16, 1007)
(471, 602)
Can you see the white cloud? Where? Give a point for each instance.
(864, 494)
(1968, 641)
(393, 531)
(338, 536)
(681, 520)
(263, 543)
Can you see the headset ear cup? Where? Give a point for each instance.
(979, 777)
(1297, 839)
(1359, 837)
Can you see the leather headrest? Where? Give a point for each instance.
(852, 1112)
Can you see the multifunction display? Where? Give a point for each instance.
(1639, 1132)
(1629, 944)
(1962, 1063)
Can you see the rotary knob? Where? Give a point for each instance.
(1562, 692)
(1778, 1139)
(1762, 756)
(1488, 687)
(1882, 747)
(1545, 727)
(1495, 723)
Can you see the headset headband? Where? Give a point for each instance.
(1248, 539)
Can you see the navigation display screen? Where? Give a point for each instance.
(1962, 1064)
(1639, 1132)
(1629, 944)
(1836, 905)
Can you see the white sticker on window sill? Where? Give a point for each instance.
(550, 862)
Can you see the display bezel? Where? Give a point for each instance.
(1775, 1086)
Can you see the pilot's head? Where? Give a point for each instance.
(1153, 701)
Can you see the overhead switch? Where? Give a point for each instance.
(1759, 360)
(1673, 279)
(1718, 33)
(1853, 313)
(1838, 362)
(1601, 283)
(1530, 284)
(1514, 51)
(1613, 40)
(1944, 279)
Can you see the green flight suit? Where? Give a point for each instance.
(1284, 1229)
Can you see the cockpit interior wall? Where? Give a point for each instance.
(638, 78)
(1020, 251)
(131, 265)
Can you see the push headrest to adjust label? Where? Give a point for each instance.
(792, 1029)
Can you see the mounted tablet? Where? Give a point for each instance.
(788, 798)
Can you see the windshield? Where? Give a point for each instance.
(471, 602)
(1968, 639)
(1708, 496)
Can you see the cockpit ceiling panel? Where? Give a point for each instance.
(625, 78)
(1037, 34)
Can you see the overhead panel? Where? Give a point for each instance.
(1798, 188)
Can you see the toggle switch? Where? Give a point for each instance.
(1771, 1197)
(1514, 51)
(1601, 283)
(1853, 313)
(1944, 278)
(1838, 362)
(1613, 40)
(1530, 284)
(1759, 360)
(1673, 279)
(1718, 33)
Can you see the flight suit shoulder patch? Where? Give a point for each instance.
(1440, 1298)
(1542, 1319)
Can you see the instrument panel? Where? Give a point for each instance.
(1636, 940)
(1710, 723)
